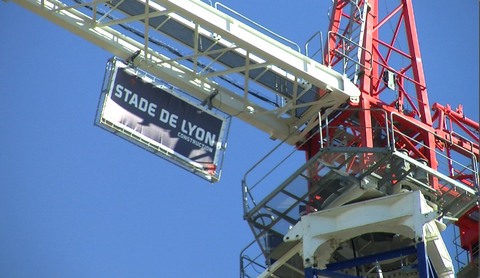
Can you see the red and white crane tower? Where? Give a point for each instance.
(385, 143)
(362, 44)
(383, 174)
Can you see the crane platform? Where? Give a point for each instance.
(216, 49)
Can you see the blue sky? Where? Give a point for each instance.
(76, 201)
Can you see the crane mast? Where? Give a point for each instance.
(371, 199)
(379, 148)
(360, 46)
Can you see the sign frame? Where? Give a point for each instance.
(177, 129)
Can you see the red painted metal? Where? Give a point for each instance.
(461, 120)
(377, 60)
(415, 126)
(468, 228)
(422, 134)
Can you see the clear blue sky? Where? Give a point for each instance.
(76, 201)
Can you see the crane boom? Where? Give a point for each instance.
(237, 48)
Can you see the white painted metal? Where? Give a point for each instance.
(292, 252)
(407, 214)
(232, 35)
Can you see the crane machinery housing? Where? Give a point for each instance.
(383, 176)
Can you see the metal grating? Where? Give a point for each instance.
(231, 59)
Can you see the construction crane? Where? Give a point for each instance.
(360, 113)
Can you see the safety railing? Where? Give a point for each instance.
(256, 25)
(328, 179)
(350, 131)
(345, 47)
(320, 49)
(252, 262)
(457, 176)
(273, 215)
(394, 117)
(462, 256)
(272, 169)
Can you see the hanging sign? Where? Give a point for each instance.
(162, 121)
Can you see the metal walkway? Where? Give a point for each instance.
(258, 79)
(333, 178)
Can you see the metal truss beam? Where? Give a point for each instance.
(204, 22)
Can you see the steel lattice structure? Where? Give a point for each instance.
(362, 116)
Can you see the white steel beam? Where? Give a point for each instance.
(176, 74)
(256, 47)
(262, 45)
(407, 214)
